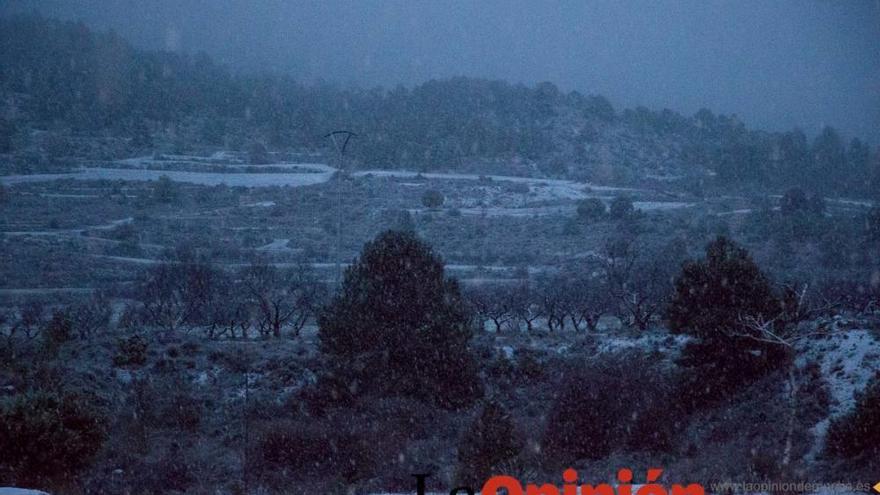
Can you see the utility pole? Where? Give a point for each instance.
(336, 137)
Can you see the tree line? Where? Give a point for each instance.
(61, 73)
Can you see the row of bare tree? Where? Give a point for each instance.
(190, 292)
(86, 318)
(628, 280)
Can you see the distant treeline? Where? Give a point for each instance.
(60, 75)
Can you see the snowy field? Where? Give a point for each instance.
(235, 179)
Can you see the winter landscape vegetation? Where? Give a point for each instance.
(200, 292)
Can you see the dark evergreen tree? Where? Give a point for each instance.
(400, 326)
(165, 190)
(621, 207)
(591, 209)
(712, 294)
(794, 158)
(829, 158)
(433, 199)
(7, 135)
(714, 298)
(794, 201)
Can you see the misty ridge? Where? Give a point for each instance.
(203, 291)
(61, 73)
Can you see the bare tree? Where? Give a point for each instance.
(31, 318)
(591, 300)
(640, 282)
(491, 303)
(523, 305)
(177, 293)
(228, 312)
(786, 330)
(89, 317)
(554, 300)
(282, 298)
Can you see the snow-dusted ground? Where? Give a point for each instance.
(234, 179)
(662, 342)
(660, 205)
(848, 360)
(541, 188)
(539, 211)
(77, 231)
(48, 290)
(278, 246)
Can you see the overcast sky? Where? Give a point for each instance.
(775, 63)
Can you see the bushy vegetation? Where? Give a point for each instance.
(314, 451)
(612, 405)
(621, 208)
(490, 440)
(46, 436)
(132, 351)
(433, 199)
(591, 209)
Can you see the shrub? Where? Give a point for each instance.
(591, 209)
(621, 207)
(620, 402)
(856, 435)
(399, 326)
(313, 450)
(165, 190)
(794, 200)
(132, 351)
(257, 153)
(490, 441)
(433, 198)
(58, 331)
(44, 435)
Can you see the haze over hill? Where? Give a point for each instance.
(776, 64)
(64, 86)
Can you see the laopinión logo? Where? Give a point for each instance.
(500, 485)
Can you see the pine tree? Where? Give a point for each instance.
(400, 326)
(713, 299)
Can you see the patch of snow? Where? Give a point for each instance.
(661, 341)
(848, 360)
(52, 290)
(234, 179)
(660, 205)
(276, 245)
(542, 188)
